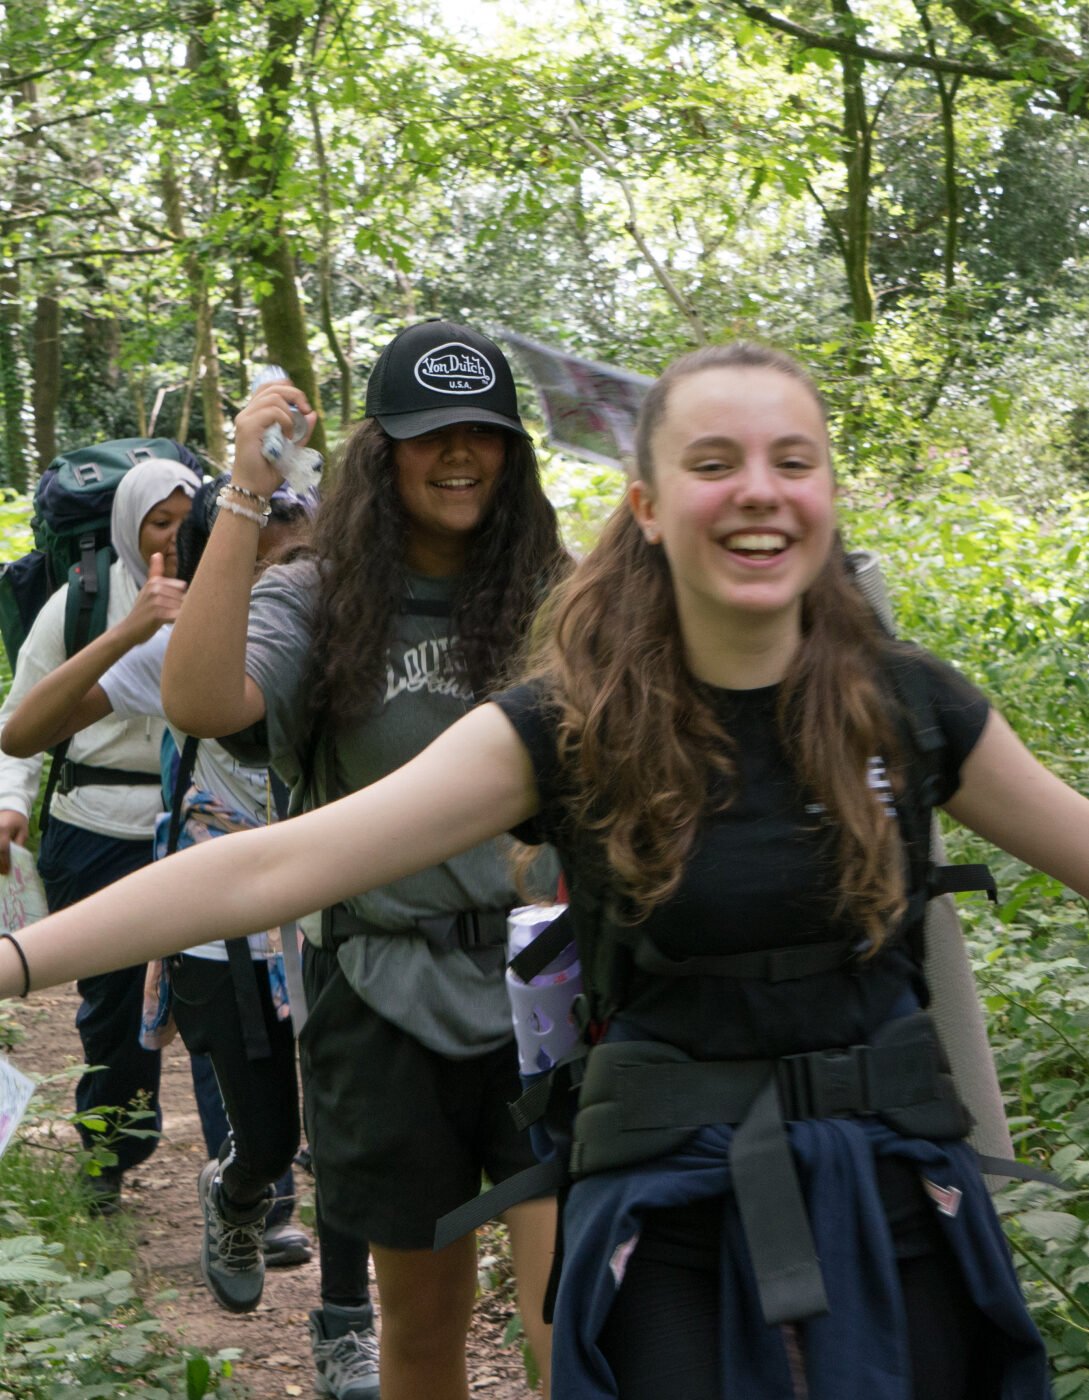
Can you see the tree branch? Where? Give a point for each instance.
(23, 132)
(676, 296)
(1024, 39)
(833, 228)
(909, 58)
(89, 254)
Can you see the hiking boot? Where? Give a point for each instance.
(347, 1366)
(231, 1259)
(285, 1245)
(104, 1192)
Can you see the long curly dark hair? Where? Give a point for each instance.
(360, 541)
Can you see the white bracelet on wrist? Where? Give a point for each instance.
(244, 512)
(262, 503)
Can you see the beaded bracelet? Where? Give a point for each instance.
(235, 509)
(262, 502)
(22, 958)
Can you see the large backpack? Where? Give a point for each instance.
(71, 525)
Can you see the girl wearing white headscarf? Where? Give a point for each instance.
(104, 809)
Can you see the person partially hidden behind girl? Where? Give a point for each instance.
(713, 734)
(99, 826)
(233, 1012)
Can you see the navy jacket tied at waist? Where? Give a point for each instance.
(858, 1350)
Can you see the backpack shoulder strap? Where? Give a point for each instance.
(84, 619)
(60, 753)
(923, 748)
(88, 596)
(182, 778)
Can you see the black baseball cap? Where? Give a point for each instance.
(437, 373)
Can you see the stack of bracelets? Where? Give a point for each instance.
(259, 511)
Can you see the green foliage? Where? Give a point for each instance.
(71, 1324)
(15, 535)
(1000, 592)
(583, 496)
(1005, 595)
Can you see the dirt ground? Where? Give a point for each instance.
(161, 1198)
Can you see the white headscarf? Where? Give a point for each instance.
(138, 492)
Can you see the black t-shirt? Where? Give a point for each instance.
(761, 875)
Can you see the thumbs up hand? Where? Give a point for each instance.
(159, 601)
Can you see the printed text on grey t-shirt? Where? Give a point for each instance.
(425, 667)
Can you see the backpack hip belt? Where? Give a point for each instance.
(471, 930)
(641, 1100)
(645, 1099)
(76, 775)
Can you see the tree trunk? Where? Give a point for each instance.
(255, 164)
(139, 406)
(15, 464)
(857, 157)
(211, 393)
(205, 352)
(47, 377)
(325, 270)
(241, 342)
(283, 322)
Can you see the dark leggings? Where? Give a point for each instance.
(661, 1336)
(73, 864)
(343, 1255)
(261, 1096)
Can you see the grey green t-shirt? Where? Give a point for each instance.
(447, 1000)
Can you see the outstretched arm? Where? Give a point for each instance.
(69, 698)
(474, 782)
(1011, 799)
(206, 691)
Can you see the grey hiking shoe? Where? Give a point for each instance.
(285, 1245)
(347, 1367)
(231, 1258)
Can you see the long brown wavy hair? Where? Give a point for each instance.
(640, 745)
(360, 541)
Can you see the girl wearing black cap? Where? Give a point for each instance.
(431, 552)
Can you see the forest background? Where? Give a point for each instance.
(895, 190)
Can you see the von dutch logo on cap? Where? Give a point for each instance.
(455, 368)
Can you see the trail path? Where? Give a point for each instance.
(161, 1197)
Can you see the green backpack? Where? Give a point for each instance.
(71, 525)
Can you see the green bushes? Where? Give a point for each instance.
(1004, 594)
(71, 1324)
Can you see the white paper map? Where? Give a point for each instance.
(15, 1092)
(22, 897)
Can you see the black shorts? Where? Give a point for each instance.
(399, 1134)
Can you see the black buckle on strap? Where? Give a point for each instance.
(825, 1083)
(472, 930)
(67, 780)
(469, 932)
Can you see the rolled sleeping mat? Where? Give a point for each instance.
(954, 999)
